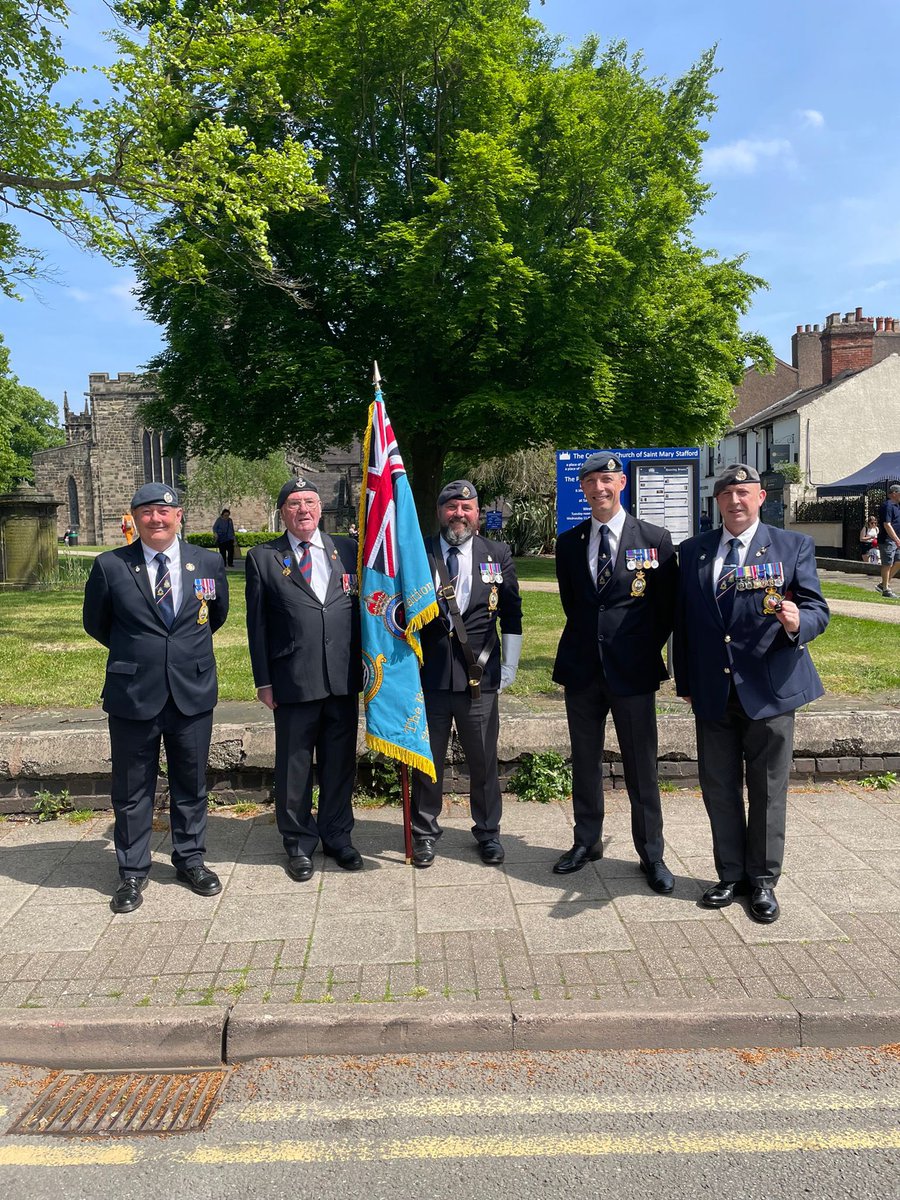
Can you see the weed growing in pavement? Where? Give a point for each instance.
(885, 782)
(542, 777)
(50, 806)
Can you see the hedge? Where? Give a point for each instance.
(242, 539)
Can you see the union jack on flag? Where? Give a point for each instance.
(396, 598)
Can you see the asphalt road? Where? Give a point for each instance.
(622, 1126)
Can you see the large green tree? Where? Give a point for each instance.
(163, 141)
(508, 231)
(28, 422)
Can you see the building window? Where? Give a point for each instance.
(72, 495)
(148, 458)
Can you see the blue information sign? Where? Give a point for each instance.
(493, 519)
(656, 489)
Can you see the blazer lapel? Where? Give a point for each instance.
(706, 558)
(580, 547)
(143, 576)
(281, 550)
(334, 561)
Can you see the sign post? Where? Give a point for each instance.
(663, 486)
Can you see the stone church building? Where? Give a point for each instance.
(109, 454)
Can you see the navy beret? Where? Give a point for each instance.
(603, 460)
(736, 473)
(295, 485)
(155, 493)
(459, 489)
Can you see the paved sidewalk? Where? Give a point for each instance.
(458, 934)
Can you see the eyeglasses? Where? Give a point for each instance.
(294, 505)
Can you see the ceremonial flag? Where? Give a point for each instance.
(396, 598)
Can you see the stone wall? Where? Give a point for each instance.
(827, 744)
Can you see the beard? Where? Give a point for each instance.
(458, 532)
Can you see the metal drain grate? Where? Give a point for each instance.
(95, 1105)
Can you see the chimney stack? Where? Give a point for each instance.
(847, 345)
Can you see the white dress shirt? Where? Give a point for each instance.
(464, 580)
(321, 566)
(614, 525)
(173, 554)
(744, 538)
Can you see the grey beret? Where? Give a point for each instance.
(736, 473)
(155, 493)
(459, 489)
(603, 460)
(295, 485)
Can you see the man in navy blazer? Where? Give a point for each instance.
(155, 605)
(617, 580)
(483, 577)
(303, 629)
(748, 605)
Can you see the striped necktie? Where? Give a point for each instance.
(725, 588)
(305, 562)
(604, 559)
(163, 590)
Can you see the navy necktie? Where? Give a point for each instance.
(306, 563)
(604, 559)
(453, 564)
(163, 590)
(725, 588)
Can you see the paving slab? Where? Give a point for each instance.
(467, 948)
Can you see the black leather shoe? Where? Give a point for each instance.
(659, 877)
(575, 859)
(127, 896)
(720, 895)
(763, 905)
(200, 880)
(347, 857)
(423, 851)
(299, 867)
(491, 852)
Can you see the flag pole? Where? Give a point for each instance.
(404, 769)
(407, 813)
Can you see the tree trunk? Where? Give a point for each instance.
(425, 463)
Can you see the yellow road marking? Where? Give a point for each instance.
(548, 1103)
(27, 1155)
(590, 1145)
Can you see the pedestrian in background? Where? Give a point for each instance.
(223, 532)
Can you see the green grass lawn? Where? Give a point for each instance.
(847, 591)
(46, 659)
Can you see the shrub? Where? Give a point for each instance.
(542, 777)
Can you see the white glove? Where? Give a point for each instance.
(510, 652)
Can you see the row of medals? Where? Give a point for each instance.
(764, 575)
(640, 561)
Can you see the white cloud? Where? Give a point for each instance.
(80, 295)
(744, 157)
(812, 118)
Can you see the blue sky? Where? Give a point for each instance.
(802, 156)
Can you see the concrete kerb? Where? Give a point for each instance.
(180, 1037)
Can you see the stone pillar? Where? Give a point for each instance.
(28, 545)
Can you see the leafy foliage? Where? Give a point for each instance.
(99, 170)
(507, 230)
(542, 777)
(28, 422)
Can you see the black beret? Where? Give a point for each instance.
(459, 489)
(603, 460)
(736, 473)
(295, 485)
(155, 493)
